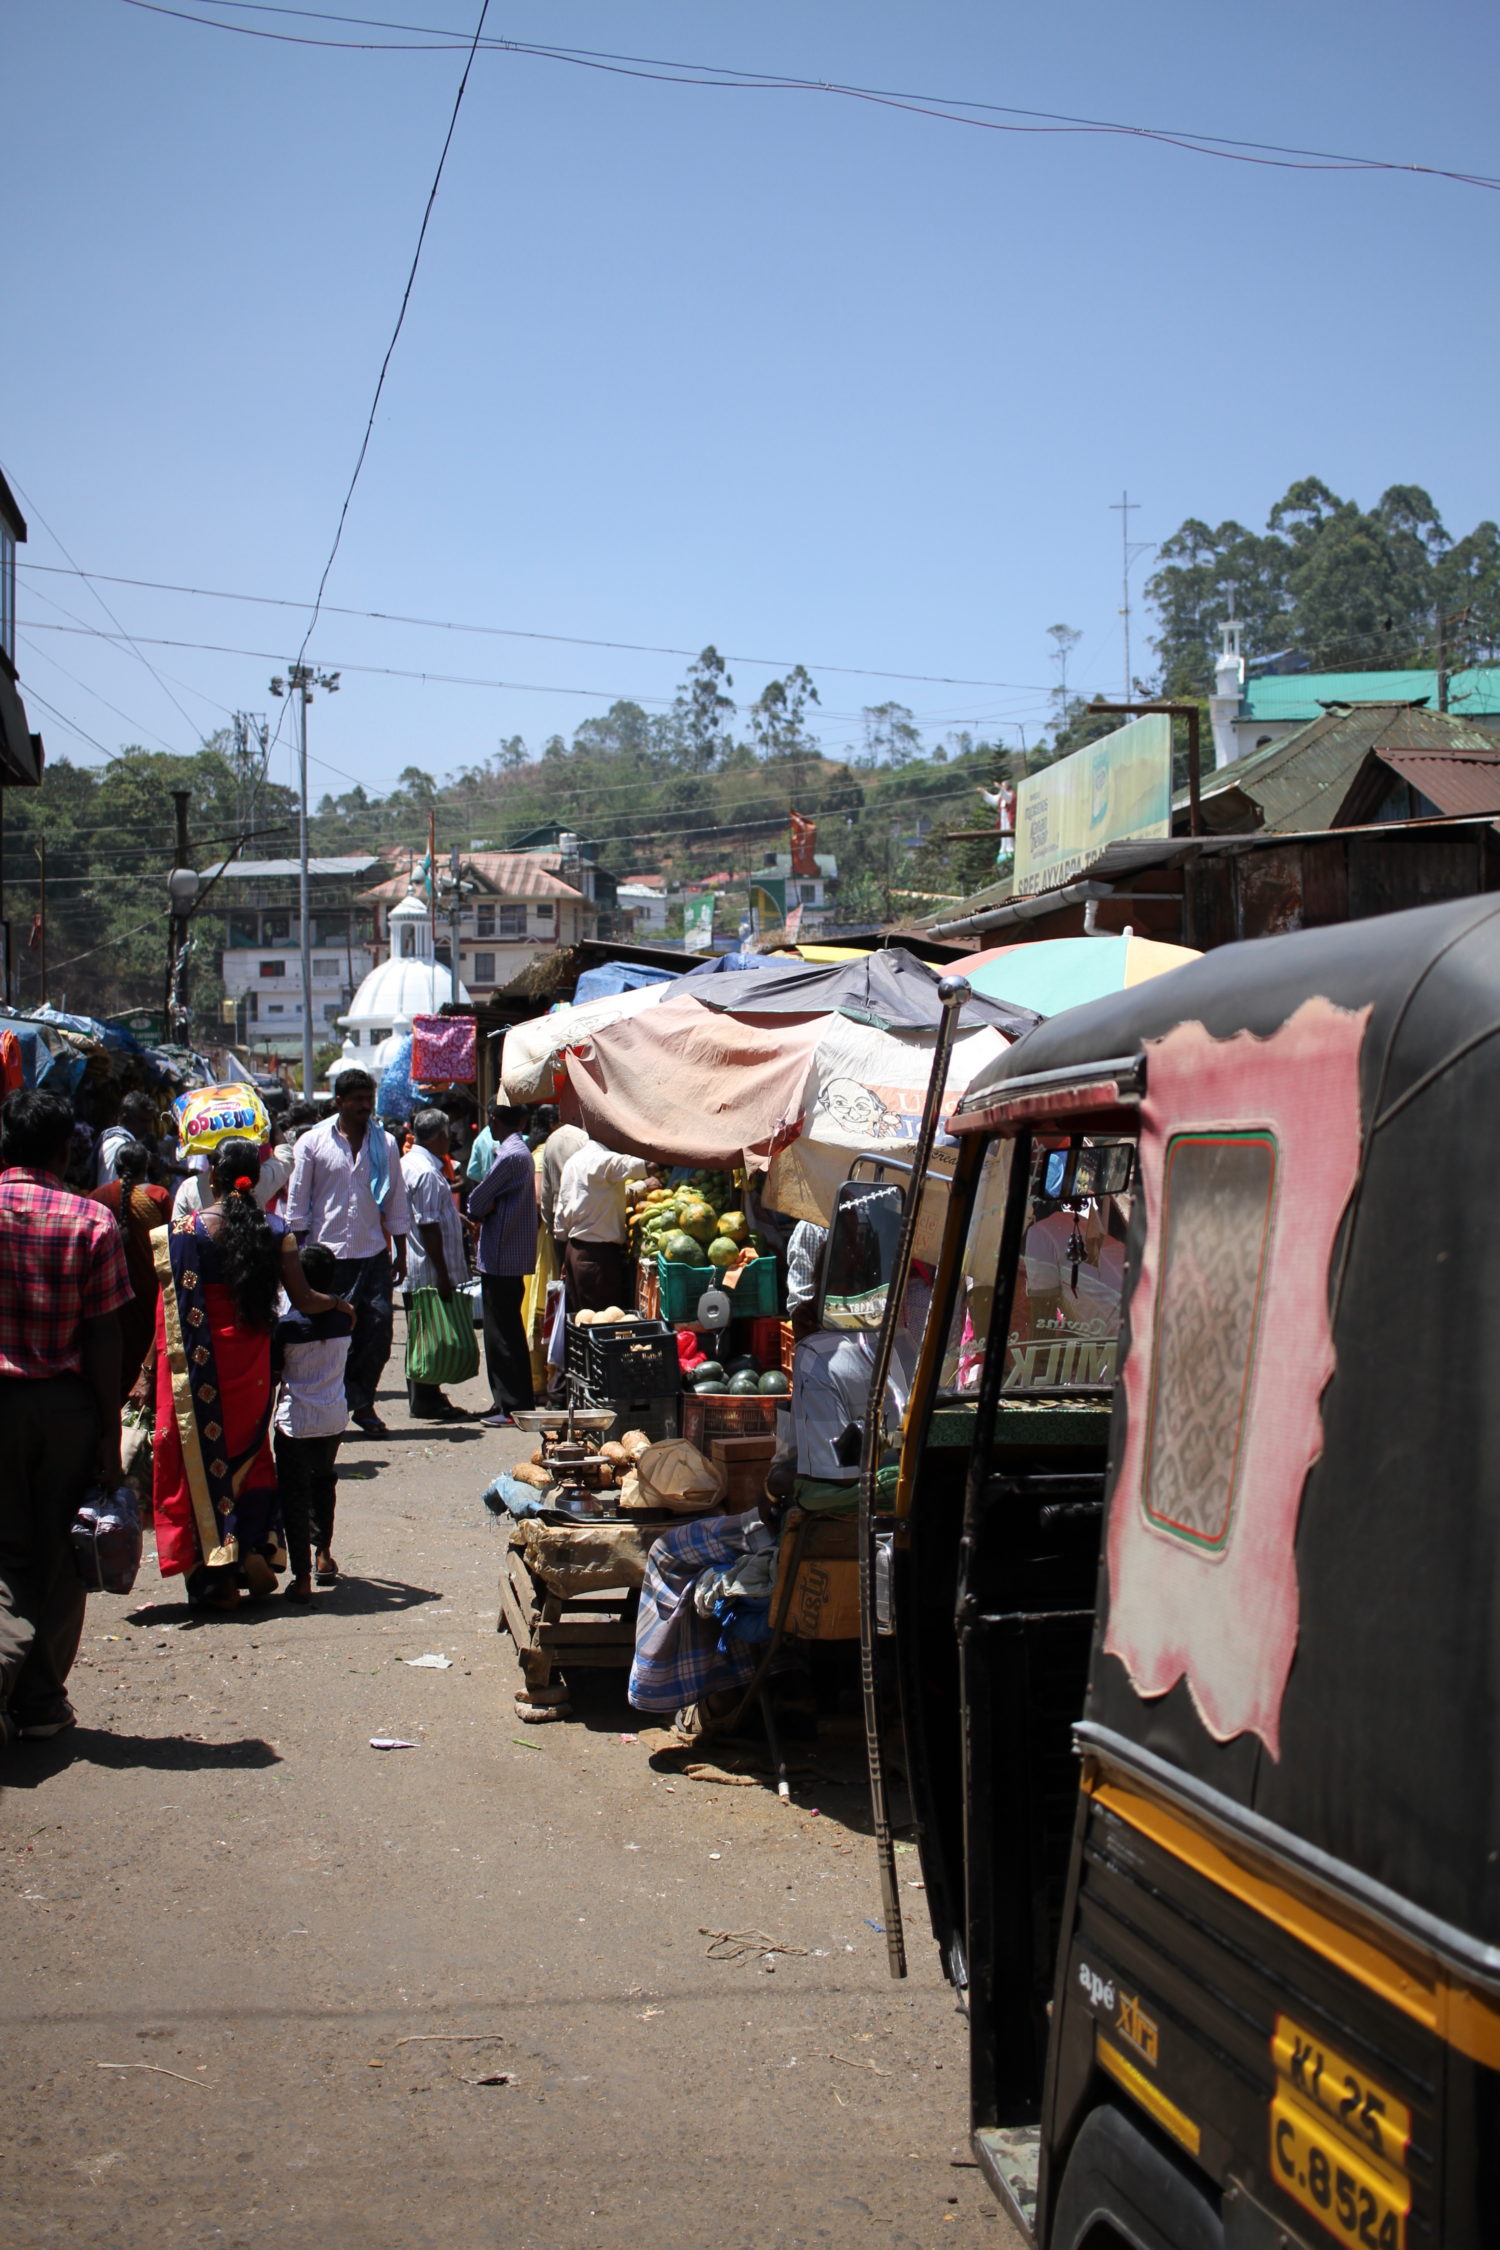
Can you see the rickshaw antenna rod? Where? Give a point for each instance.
(952, 993)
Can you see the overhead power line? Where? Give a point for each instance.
(521, 633)
(952, 109)
(391, 671)
(416, 259)
(28, 503)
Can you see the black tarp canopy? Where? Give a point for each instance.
(891, 989)
(1390, 1725)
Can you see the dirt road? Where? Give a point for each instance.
(308, 1955)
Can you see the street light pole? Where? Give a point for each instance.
(300, 681)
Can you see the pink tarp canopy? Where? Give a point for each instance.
(795, 1096)
(687, 1084)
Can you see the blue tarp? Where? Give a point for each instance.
(37, 1062)
(396, 1096)
(619, 976)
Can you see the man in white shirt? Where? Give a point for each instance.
(589, 1220)
(347, 1192)
(435, 1253)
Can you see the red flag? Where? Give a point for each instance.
(804, 845)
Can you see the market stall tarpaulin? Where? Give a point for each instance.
(863, 1095)
(739, 1070)
(686, 1084)
(530, 1058)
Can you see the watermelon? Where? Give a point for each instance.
(744, 1365)
(773, 1384)
(710, 1390)
(707, 1371)
(680, 1248)
(743, 1386)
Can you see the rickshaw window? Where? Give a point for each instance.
(1062, 1309)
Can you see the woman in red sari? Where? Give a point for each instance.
(218, 1511)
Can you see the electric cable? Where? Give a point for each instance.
(950, 109)
(519, 633)
(364, 443)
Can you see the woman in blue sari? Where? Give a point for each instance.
(222, 1268)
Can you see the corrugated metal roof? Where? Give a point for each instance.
(1302, 781)
(1455, 783)
(1301, 695)
(508, 874)
(261, 870)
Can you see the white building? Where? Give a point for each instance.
(512, 907)
(261, 960)
(409, 982)
(644, 898)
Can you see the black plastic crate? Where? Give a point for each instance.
(631, 1359)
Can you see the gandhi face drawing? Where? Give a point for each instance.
(857, 1112)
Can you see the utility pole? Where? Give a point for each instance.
(299, 683)
(42, 919)
(251, 743)
(183, 886)
(1131, 551)
(458, 890)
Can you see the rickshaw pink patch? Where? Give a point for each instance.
(1248, 1155)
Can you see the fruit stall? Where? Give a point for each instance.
(706, 1324)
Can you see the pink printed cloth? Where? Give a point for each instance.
(443, 1050)
(1249, 1152)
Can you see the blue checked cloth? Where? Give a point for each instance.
(677, 1656)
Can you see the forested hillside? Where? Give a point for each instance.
(704, 789)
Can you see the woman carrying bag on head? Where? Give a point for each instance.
(218, 1512)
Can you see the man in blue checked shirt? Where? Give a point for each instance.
(504, 1203)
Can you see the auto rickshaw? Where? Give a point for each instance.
(1187, 1557)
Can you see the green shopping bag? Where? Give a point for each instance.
(440, 1343)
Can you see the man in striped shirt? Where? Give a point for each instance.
(504, 1203)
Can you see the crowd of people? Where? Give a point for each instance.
(245, 1304)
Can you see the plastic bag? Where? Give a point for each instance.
(441, 1346)
(106, 1540)
(674, 1475)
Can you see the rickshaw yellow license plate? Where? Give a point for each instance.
(1338, 2141)
(1357, 2203)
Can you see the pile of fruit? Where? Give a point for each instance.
(741, 1378)
(690, 1226)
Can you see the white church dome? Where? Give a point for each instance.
(411, 983)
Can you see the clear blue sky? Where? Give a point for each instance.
(810, 378)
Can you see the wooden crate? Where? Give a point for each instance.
(596, 1627)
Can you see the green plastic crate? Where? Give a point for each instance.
(753, 1294)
